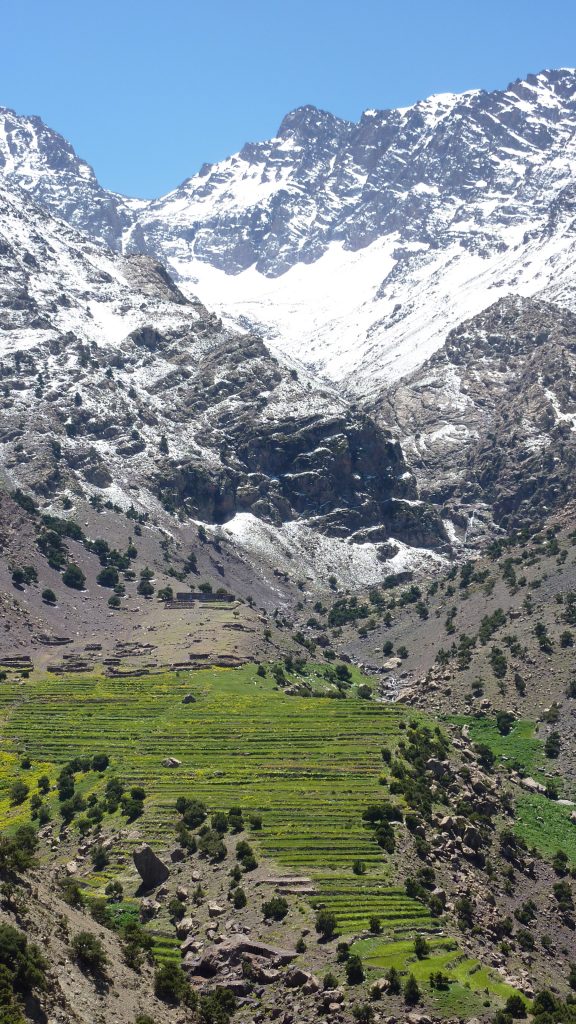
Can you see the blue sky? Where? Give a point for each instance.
(147, 92)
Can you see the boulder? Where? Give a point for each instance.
(148, 908)
(151, 869)
(532, 786)
(184, 927)
(298, 978)
(189, 699)
(214, 909)
(171, 762)
(71, 867)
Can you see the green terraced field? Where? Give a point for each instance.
(471, 983)
(310, 766)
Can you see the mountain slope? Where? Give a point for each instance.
(489, 420)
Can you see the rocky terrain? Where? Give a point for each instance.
(488, 420)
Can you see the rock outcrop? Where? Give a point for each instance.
(151, 869)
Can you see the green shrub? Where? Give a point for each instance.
(18, 792)
(354, 970)
(89, 952)
(275, 908)
(171, 984)
(326, 924)
(411, 991)
(73, 577)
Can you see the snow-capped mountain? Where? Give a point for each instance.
(353, 247)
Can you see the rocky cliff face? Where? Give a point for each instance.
(489, 421)
(113, 383)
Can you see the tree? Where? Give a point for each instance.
(354, 970)
(394, 982)
(411, 991)
(108, 577)
(44, 784)
(74, 577)
(421, 947)
(48, 596)
(239, 900)
(22, 968)
(326, 924)
(89, 952)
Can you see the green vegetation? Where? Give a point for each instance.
(546, 826)
(305, 770)
(453, 983)
(518, 748)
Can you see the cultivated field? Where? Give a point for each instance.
(309, 766)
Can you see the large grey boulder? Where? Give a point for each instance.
(151, 869)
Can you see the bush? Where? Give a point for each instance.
(74, 577)
(275, 908)
(171, 984)
(515, 1006)
(363, 1013)
(552, 745)
(48, 596)
(211, 846)
(99, 857)
(326, 924)
(89, 952)
(193, 811)
(22, 966)
(18, 792)
(219, 822)
(176, 909)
